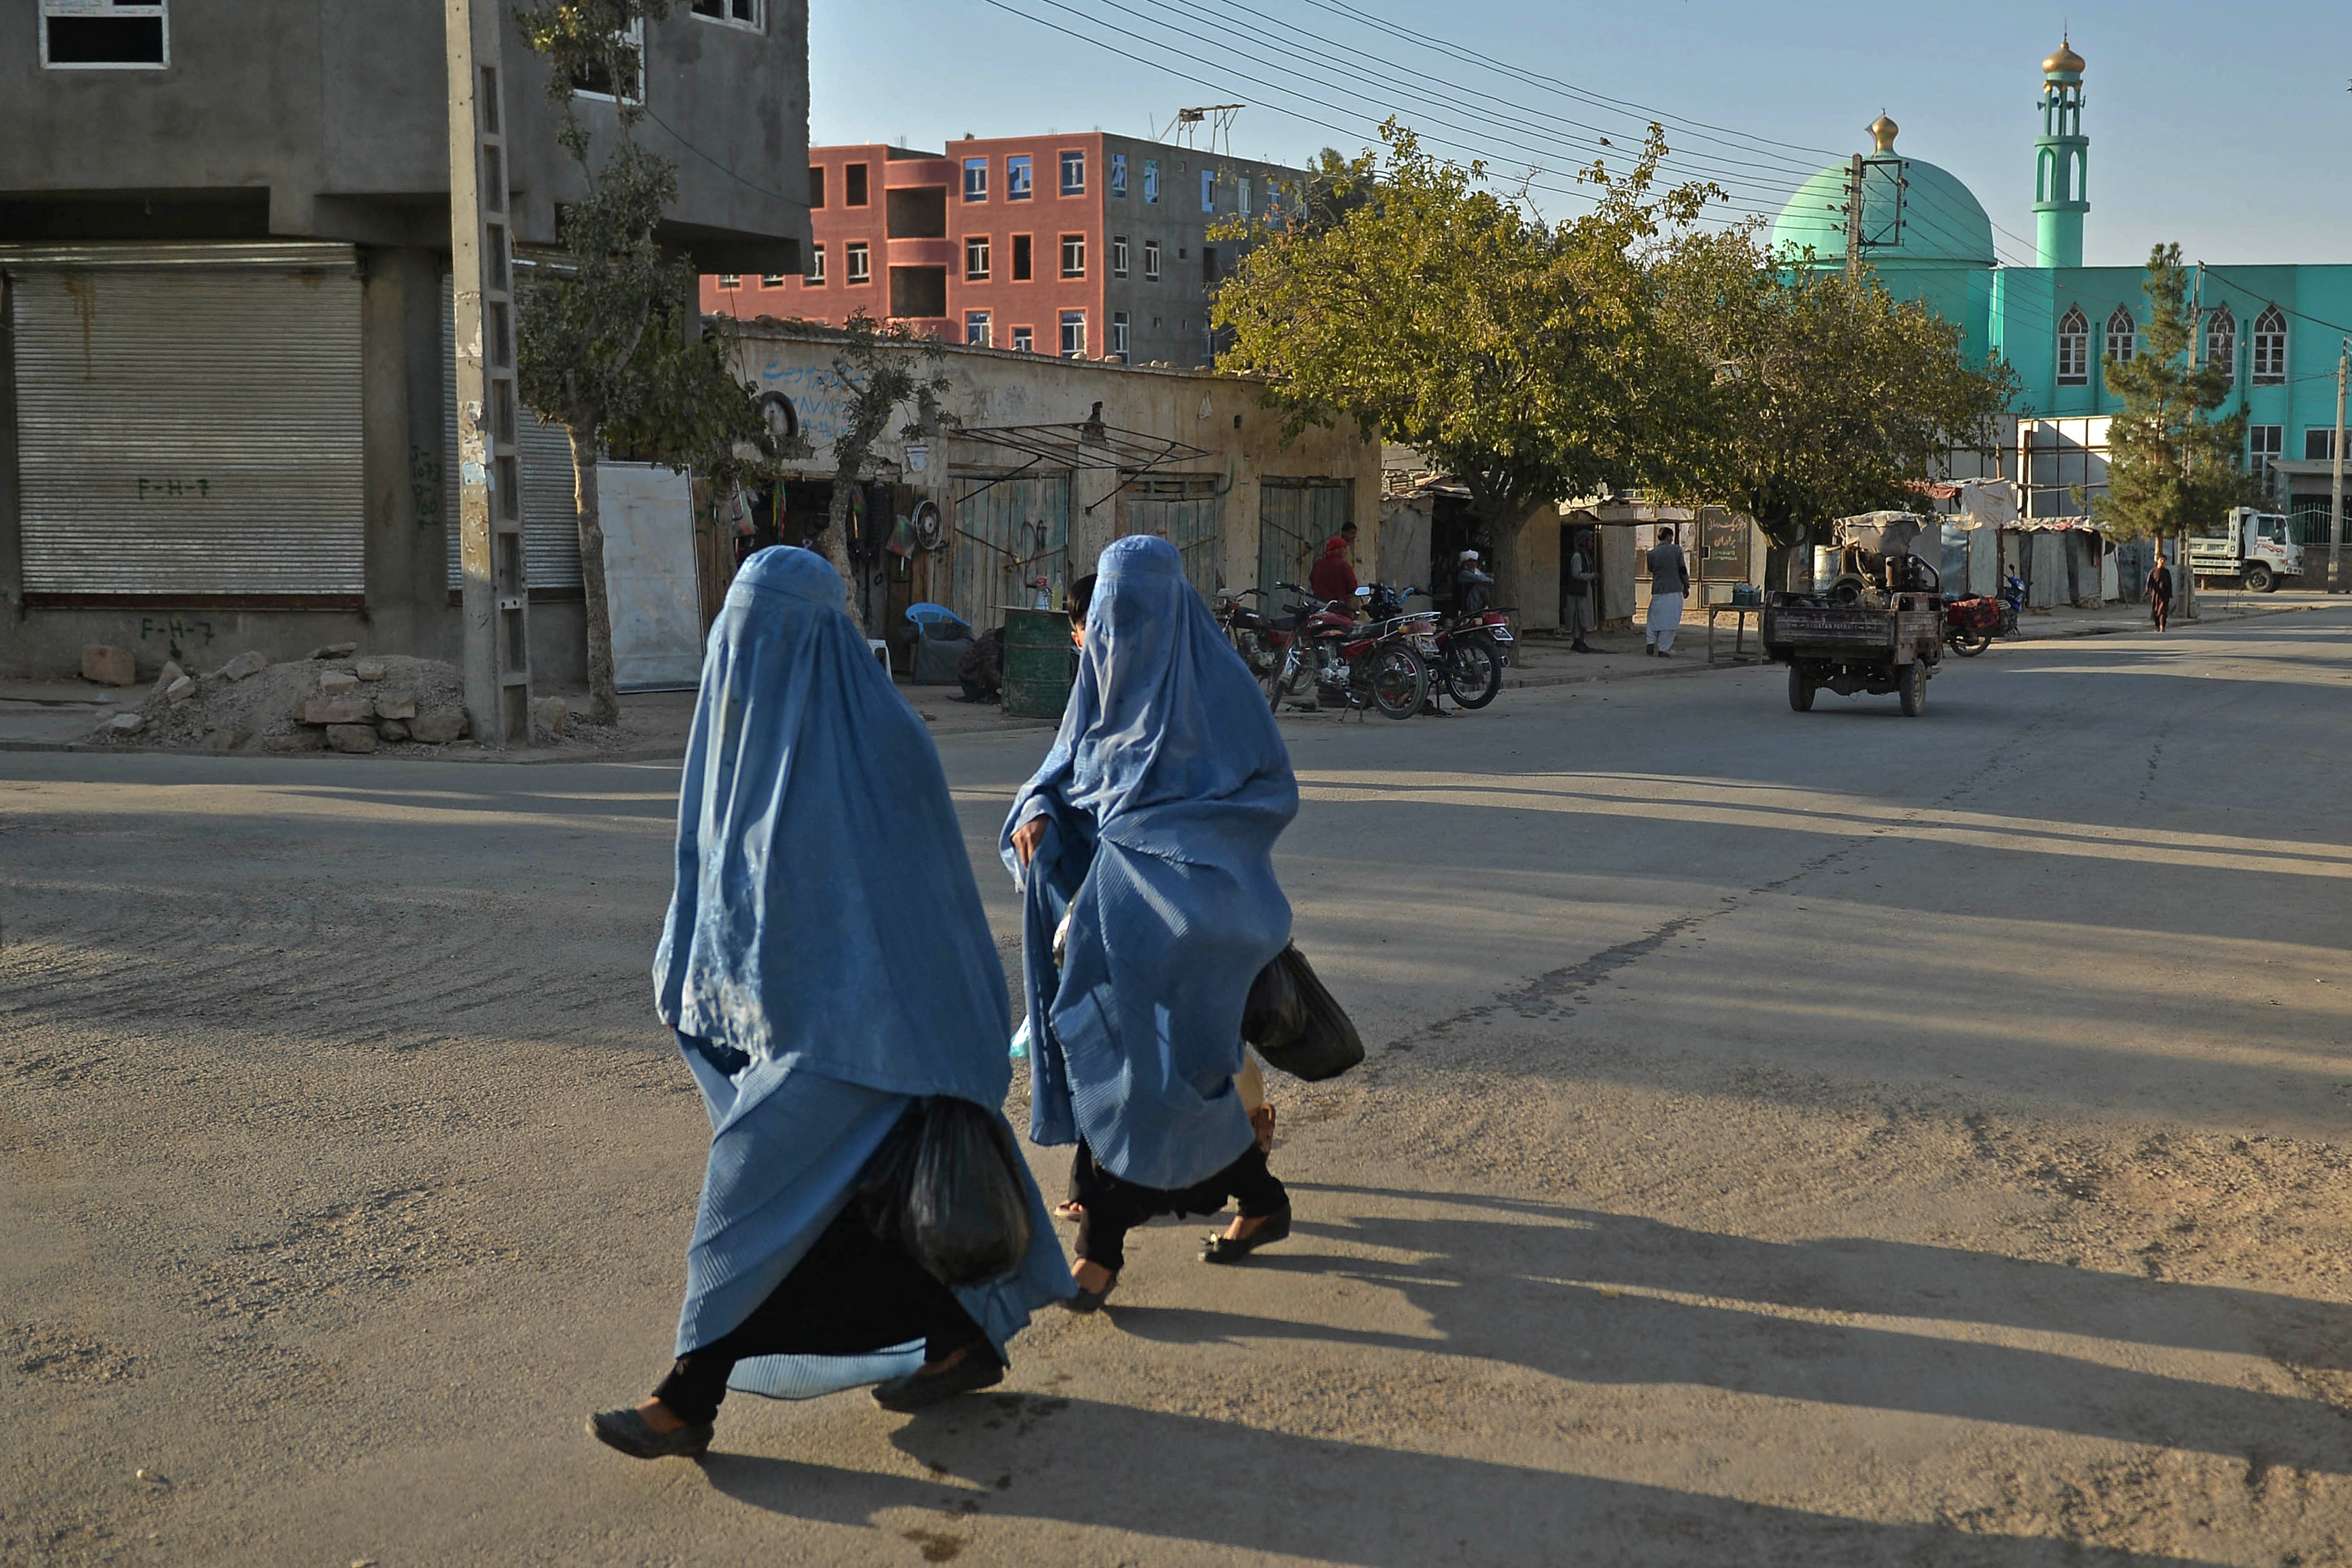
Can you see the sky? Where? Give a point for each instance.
(2227, 128)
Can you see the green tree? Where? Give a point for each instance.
(1827, 396)
(881, 369)
(2172, 467)
(1521, 356)
(610, 345)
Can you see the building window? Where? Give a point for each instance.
(2074, 349)
(1151, 179)
(2319, 445)
(730, 280)
(772, 280)
(1118, 174)
(853, 185)
(1017, 179)
(975, 179)
(1151, 261)
(975, 257)
(1023, 341)
(597, 82)
(2222, 341)
(736, 13)
(919, 293)
(975, 329)
(816, 266)
(861, 261)
(1074, 174)
(2123, 336)
(1242, 197)
(1119, 335)
(2264, 442)
(1074, 255)
(1208, 190)
(1118, 256)
(816, 186)
(1020, 268)
(2270, 348)
(1074, 334)
(76, 35)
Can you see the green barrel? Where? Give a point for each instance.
(1039, 662)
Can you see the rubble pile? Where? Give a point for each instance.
(334, 700)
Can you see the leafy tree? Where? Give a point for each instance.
(881, 369)
(1523, 356)
(610, 345)
(2171, 466)
(1827, 395)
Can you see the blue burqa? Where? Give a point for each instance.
(1164, 794)
(825, 959)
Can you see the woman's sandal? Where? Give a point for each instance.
(633, 1435)
(1223, 1249)
(1086, 1301)
(979, 1369)
(1070, 1212)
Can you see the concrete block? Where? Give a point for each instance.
(171, 672)
(252, 662)
(335, 651)
(126, 724)
(301, 740)
(181, 690)
(369, 669)
(351, 738)
(438, 728)
(108, 666)
(335, 683)
(548, 716)
(223, 739)
(394, 705)
(336, 710)
(392, 729)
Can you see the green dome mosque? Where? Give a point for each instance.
(2278, 327)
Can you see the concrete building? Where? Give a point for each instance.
(1085, 247)
(2278, 327)
(224, 392)
(1024, 491)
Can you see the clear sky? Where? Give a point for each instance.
(2228, 128)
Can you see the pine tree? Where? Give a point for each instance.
(2172, 467)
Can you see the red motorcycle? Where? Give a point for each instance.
(1970, 624)
(1364, 663)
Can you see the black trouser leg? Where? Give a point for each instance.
(853, 1295)
(1256, 1192)
(1113, 1207)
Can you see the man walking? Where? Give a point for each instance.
(2160, 591)
(1669, 583)
(1576, 605)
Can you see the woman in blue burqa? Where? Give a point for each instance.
(826, 965)
(1146, 843)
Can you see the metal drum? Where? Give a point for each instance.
(1039, 662)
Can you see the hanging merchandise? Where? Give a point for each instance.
(929, 528)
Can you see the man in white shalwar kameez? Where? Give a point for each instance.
(1669, 585)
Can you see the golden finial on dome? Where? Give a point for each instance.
(1882, 132)
(2066, 59)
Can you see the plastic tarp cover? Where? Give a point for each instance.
(649, 577)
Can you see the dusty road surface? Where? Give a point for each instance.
(1801, 1139)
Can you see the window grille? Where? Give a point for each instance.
(2074, 349)
(2270, 348)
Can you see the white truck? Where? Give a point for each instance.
(2253, 547)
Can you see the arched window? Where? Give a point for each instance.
(2048, 164)
(2073, 348)
(2123, 336)
(2222, 341)
(2270, 348)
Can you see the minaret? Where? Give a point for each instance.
(2061, 156)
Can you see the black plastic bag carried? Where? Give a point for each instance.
(946, 1186)
(1296, 1023)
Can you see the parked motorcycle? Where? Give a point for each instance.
(1362, 664)
(1468, 648)
(1251, 631)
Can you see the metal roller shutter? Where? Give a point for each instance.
(189, 423)
(550, 517)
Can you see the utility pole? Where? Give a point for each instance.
(496, 600)
(2336, 483)
(1853, 216)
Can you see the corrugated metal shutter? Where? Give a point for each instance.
(190, 430)
(550, 515)
(1006, 535)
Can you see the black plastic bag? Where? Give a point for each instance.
(946, 1186)
(1296, 1023)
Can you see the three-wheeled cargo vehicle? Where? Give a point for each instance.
(1887, 641)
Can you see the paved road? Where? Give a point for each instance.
(1822, 1139)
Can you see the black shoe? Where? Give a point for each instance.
(1086, 1301)
(1650, 649)
(1221, 1248)
(1577, 647)
(921, 1390)
(634, 1435)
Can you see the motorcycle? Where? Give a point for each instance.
(1251, 631)
(1365, 665)
(1468, 647)
(1971, 624)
